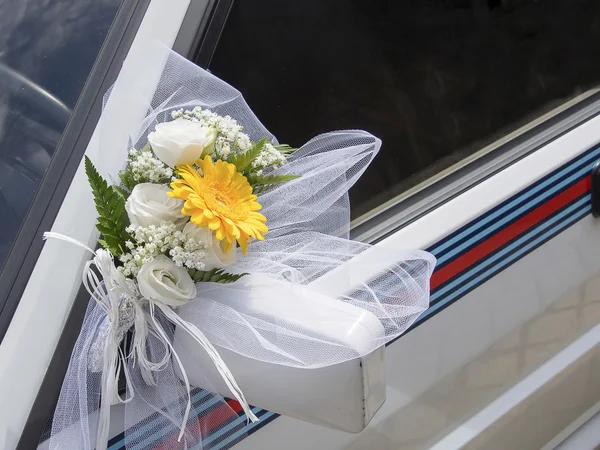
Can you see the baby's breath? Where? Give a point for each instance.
(230, 137)
(145, 168)
(149, 242)
(232, 141)
(268, 158)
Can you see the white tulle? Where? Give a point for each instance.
(308, 220)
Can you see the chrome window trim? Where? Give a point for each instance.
(469, 172)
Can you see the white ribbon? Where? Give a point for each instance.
(107, 293)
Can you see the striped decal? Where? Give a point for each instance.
(483, 248)
(225, 425)
(466, 258)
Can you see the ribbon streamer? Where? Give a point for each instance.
(109, 293)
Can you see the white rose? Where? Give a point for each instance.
(215, 258)
(149, 204)
(181, 141)
(162, 281)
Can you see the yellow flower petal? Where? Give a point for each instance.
(220, 197)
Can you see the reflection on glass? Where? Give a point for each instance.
(435, 79)
(47, 49)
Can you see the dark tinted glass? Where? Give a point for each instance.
(47, 50)
(434, 79)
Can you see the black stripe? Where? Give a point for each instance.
(234, 430)
(169, 436)
(261, 424)
(499, 249)
(578, 166)
(508, 212)
(116, 439)
(163, 422)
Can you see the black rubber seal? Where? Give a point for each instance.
(595, 188)
(201, 30)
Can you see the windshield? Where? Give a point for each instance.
(47, 50)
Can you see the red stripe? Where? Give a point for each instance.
(219, 415)
(207, 423)
(507, 234)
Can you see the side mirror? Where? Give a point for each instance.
(344, 396)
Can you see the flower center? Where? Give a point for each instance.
(223, 199)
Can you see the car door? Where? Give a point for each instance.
(489, 143)
(506, 356)
(509, 338)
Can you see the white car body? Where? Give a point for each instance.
(512, 363)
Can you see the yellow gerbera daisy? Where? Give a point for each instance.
(220, 199)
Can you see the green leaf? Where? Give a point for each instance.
(264, 183)
(110, 205)
(104, 222)
(285, 149)
(101, 211)
(110, 244)
(112, 201)
(215, 276)
(121, 192)
(106, 231)
(243, 160)
(127, 179)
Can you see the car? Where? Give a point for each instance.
(489, 114)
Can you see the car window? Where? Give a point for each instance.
(47, 50)
(436, 80)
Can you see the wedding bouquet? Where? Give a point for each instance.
(208, 208)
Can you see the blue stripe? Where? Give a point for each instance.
(159, 434)
(241, 432)
(492, 229)
(511, 258)
(588, 161)
(488, 231)
(140, 431)
(479, 266)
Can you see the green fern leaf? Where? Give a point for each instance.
(127, 179)
(215, 276)
(264, 183)
(285, 149)
(110, 205)
(111, 244)
(121, 192)
(105, 231)
(101, 211)
(243, 160)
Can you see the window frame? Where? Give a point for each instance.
(198, 40)
(51, 192)
(204, 19)
(47, 203)
(473, 170)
